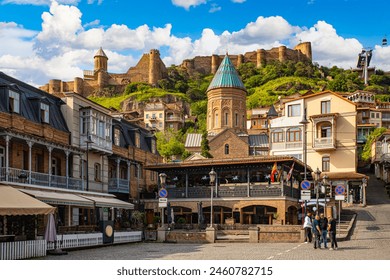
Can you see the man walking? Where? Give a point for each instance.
(332, 233)
(307, 226)
(317, 232)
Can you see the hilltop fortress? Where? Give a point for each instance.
(150, 69)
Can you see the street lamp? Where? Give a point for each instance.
(364, 181)
(304, 122)
(316, 175)
(163, 178)
(325, 184)
(212, 175)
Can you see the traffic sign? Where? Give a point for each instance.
(305, 185)
(339, 197)
(340, 189)
(162, 202)
(163, 192)
(305, 195)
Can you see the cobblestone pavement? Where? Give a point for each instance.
(370, 240)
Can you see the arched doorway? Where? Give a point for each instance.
(292, 215)
(220, 214)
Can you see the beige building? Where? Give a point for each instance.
(331, 131)
(160, 116)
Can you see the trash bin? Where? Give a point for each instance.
(107, 229)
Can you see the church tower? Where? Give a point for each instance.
(226, 101)
(100, 61)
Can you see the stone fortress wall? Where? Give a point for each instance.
(150, 69)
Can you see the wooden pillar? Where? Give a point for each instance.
(30, 144)
(186, 184)
(241, 216)
(7, 139)
(50, 149)
(67, 153)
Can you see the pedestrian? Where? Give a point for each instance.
(307, 226)
(317, 232)
(324, 230)
(332, 234)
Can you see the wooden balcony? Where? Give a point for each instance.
(324, 143)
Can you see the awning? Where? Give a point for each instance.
(13, 202)
(101, 201)
(59, 198)
(343, 175)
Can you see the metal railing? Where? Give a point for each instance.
(16, 175)
(118, 185)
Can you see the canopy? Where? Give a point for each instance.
(109, 202)
(13, 202)
(59, 198)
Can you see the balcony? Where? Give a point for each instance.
(238, 190)
(97, 143)
(324, 143)
(40, 179)
(174, 119)
(117, 185)
(287, 145)
(153, 119)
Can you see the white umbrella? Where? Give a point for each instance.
(51, 232)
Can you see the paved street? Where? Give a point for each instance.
(370, 241)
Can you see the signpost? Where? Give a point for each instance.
(340, 191)
(162, 202)
(305, 195)
(305, 185)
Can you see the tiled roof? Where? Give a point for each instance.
(226, 76)
(193, 140)
(100, 52)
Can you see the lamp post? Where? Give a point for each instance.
(212, 175)
(304, 122)
(364, 181)
(163, 178)
(316, 175)
(325, 184)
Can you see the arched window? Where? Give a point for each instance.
(226, 149)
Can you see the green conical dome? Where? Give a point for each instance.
(226, 76)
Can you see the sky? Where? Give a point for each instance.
(44, 39)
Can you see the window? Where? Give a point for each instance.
(14, 102)
(101, 128)
(97, 172)
(216, 120)
(236, 119)
(325, 107)
(160, 115)
(54, 166)
(117, 137)
(226, 149)
(137, 140)
(372, 115)
(325, 164)
(377, 115)
(293, 135)
(153, 116)
(84, 123)
(294, 110)
(160, 124)
(326, 131)
(45, 112)
(277, 136)
(226, 118)
(147, 116)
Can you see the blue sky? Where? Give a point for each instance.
(44, 39)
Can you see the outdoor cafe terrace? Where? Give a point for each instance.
(240, 177)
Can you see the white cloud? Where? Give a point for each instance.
(214, 8)
(186, 4)
(238, 1)
(380, 57)
(328, 47)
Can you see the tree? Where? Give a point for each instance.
(366, 154)
(205, 146)
(170, 143)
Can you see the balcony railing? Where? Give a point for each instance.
(324, 143)
(286, 145)
(385, 157)
(236, 190)
(173, 119)
(16, 175)
(117, 185)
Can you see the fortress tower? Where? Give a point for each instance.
(100, 61)
(154, 73)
